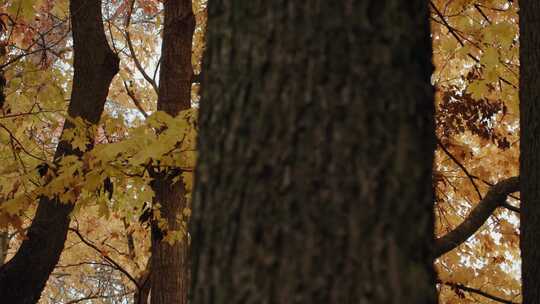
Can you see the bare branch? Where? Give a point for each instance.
(477, 291)
(460, 165)
(138, 64)
(496, 197)
(107, 258)
(135, 100)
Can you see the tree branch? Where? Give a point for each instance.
(107, 258)
(477, 291)
(23, 278)
(453, 32)
(511, 207)
(496, 197)
(135, 100)
(462, 167)
(138, 64)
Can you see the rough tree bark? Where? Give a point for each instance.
(23, 278)
(529, 94)
(316, 146)
(170, 271)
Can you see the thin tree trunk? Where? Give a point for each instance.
(315, 154)
(529, 94)
(170, 263)
(23, 278)
(4, 245)
(143, 292)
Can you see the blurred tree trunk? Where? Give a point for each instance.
(170, 263)
(23, 278)
(529, 94)
(315, 149)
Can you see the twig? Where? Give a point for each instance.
(477, 291)
(462, 167)
(107, 258)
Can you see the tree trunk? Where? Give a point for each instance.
(170, 263)
(315, 154)
(529, 94)
(142, 293)
(23, 278)
(4, 245)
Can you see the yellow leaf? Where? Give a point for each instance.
(490, 58)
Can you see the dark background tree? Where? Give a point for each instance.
(529, 94)
(316, 147)
(23, 278)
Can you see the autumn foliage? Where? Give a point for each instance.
(476, 56)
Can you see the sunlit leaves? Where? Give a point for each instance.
(126, 145)
(23, 8)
